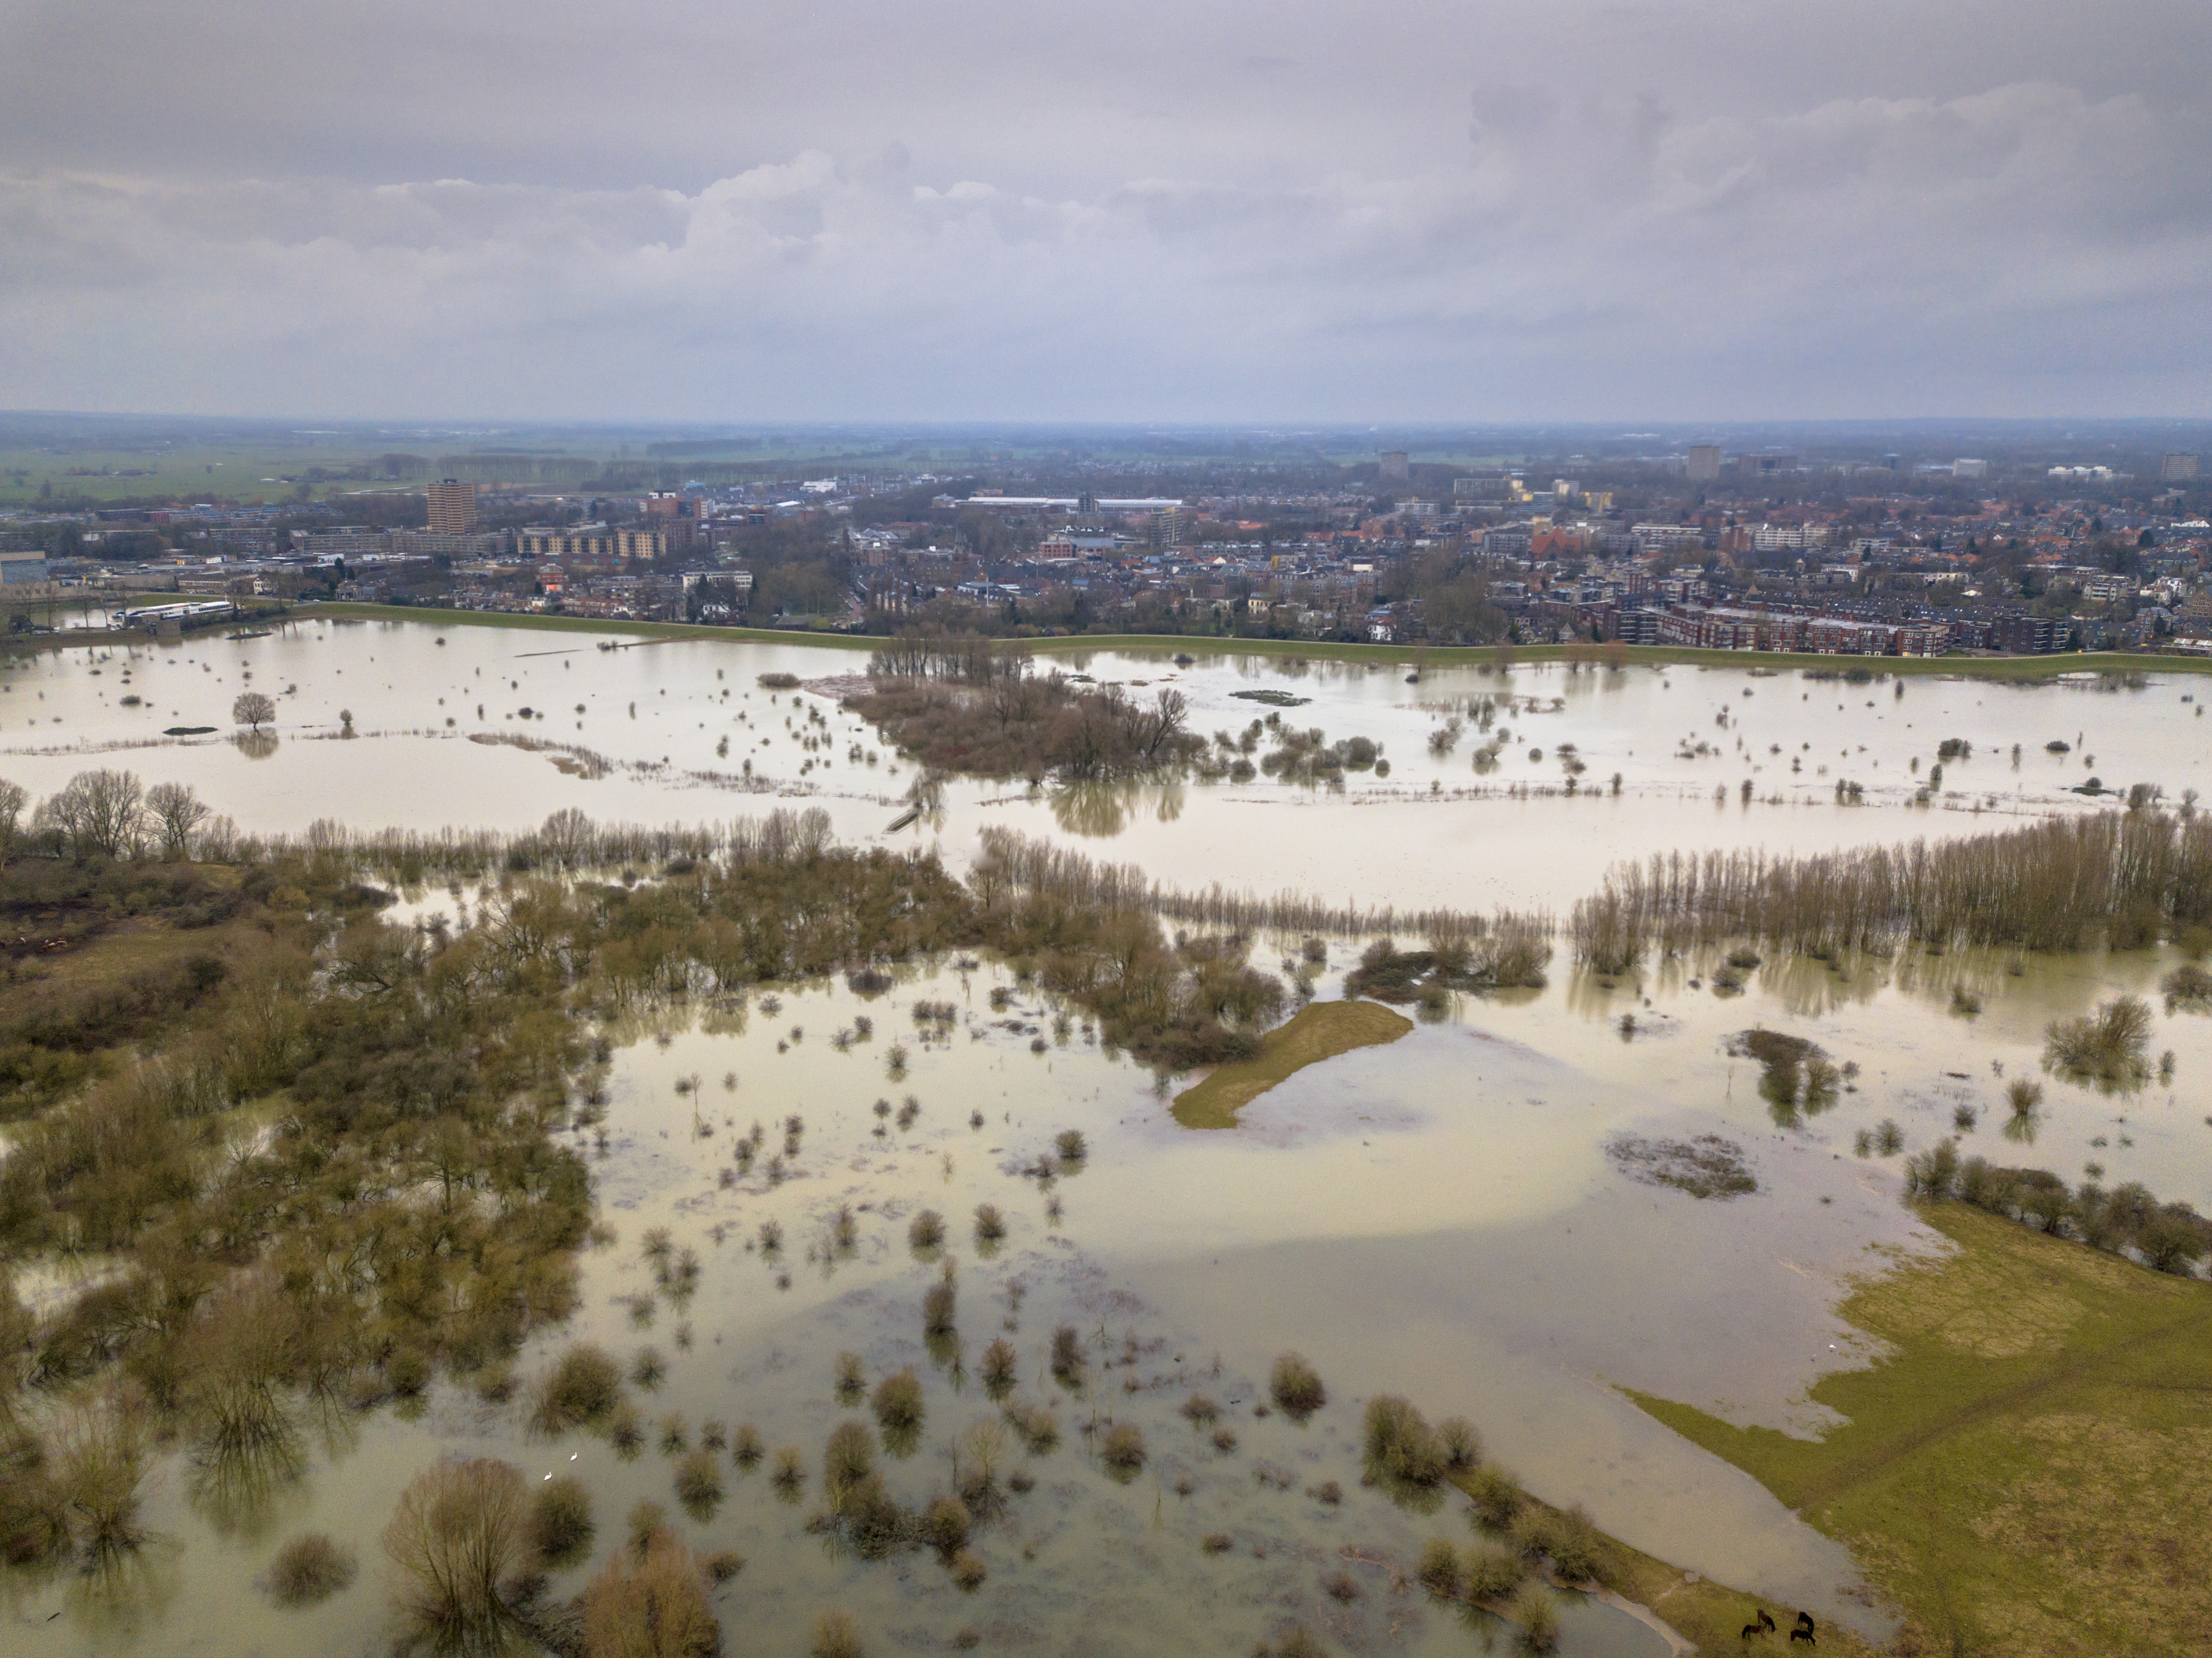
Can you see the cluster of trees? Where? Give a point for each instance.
(963, 703)
(2169, 1238)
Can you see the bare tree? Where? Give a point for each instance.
(97, 813)
(13, 799)
(176, 811)
(253, 710)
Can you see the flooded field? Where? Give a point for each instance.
(1457, 1216)
(681, 731)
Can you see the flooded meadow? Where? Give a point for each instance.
(1473, 1217)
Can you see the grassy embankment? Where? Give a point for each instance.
(2023, 1475)
(1321, 1031)
(1436, 656)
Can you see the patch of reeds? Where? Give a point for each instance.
(1295, 1386)
(310, 1568)
(836, 1635)
(1122, 1450)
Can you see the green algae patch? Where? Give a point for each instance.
(1321, 1031)
(2010, 1475)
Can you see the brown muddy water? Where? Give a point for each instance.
(1439, 1218)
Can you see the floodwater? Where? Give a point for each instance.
(686, 735)
(1439, 1218)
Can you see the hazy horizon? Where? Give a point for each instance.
(1189, 214)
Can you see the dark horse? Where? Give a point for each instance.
(1803, 1632)
(1764, 1626)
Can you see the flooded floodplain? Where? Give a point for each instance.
(1449, 1217)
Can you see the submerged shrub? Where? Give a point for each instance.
(1072, 1147)
(458, 1534)
(699, 1480)
(1494, 1572)
(848, 1457)
(310, 1568)
(898, 1400)
(1462, 1445)
(1536, 1610)
(746, 1447)
(2110, 1046)
(998, 1366)
(945, 1525)
(2189, 987)
(648, 1367)
(1067, 1360)
(1574, 1544)
(990, 1224)
(938, 1303)
(560, 1526)
(1398, 1443)
(969, 1570)
(1439, 1569)
(788, 1469)
(852, 1379)
(1296, 1388)
(1497, 1496)
(653, 1605)
(925, 1230)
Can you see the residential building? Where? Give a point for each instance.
(1705, 463)
(453, 507)
(1397, 467)
(2178, 468)
(594, 542)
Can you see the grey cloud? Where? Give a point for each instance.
(837, 210)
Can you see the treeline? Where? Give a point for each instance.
(1050, 873)
(2169, 1238)
(2123, 880)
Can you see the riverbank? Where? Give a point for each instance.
(1415, 656)
(2010, 1474)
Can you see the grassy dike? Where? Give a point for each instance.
(1320, 1031)
(2025, 1472)
(1417, 656)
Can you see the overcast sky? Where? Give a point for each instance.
(1160, 210)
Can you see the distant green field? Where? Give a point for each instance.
(186, 474)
